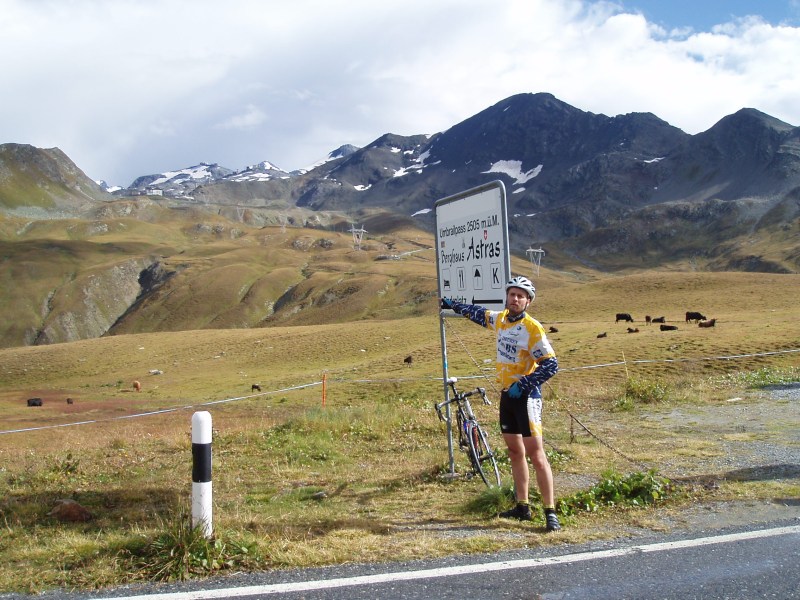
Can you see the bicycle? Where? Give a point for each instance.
(471, 438)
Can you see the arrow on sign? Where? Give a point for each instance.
(479, 301)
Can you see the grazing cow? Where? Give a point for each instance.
(553, 329)
(408, 360)
(255, 388)
(34, 401)
(69, 400)
(633, 330)
(668, 327)
(137, 386)
(660, 320)
(709, 323)
(602, 335)
(647, 319)
(694, 316)
(624, 317)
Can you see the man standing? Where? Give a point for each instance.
(525, 360)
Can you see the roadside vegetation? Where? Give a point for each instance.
(361, 471)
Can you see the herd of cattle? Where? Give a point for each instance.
(691, 317)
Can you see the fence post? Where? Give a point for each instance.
(201, 471)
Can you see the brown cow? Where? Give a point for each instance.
(647, 319)
(137, 386)
(668, 327)
(709, 323)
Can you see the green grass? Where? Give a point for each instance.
(763, 377)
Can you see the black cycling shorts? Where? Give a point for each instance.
(521, 416)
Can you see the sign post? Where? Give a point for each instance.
(473, 262)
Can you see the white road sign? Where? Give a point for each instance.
(472, 258)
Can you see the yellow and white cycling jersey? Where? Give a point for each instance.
(521, 345)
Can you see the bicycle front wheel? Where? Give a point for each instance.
(481, 456)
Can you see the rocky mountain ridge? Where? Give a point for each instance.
(570, 175)
(211, 247)
(181, 183)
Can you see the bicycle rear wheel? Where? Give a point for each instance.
(481, 456)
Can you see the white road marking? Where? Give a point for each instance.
(300, 586)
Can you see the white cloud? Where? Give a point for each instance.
(290, 81)
(251, 117)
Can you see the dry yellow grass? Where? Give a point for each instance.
(375, 447)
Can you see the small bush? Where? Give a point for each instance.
(762, 377)
(644, 391)
(492, 500)
(182, 551)
(613, 489)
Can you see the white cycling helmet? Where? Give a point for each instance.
(522, 283)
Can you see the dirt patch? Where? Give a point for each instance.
(757, 440)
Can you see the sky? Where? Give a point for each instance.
(136, 87)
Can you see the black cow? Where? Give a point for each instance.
(668, 327)
(602, 335)
(633, 330)
(694, 316)
(408, 360)
(624, 317)
(660, 320)
(553, 329)
(255, 388)
(34, 401)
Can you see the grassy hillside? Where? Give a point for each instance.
(43, 178)
(77, 279)
(372, 446)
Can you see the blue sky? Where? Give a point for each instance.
(702, 15)
(136, 87)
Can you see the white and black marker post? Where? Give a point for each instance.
(201, 471)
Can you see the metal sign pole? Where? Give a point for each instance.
(445, 376)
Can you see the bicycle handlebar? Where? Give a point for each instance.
(460, 397)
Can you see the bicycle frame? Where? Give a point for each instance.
(471, 438)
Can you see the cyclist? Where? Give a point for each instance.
(525, 360)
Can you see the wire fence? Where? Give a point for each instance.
(363, 381)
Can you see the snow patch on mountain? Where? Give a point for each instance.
(513, 168)
(263, 171)
(340, 152)
(418, 167)
(198, 173)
